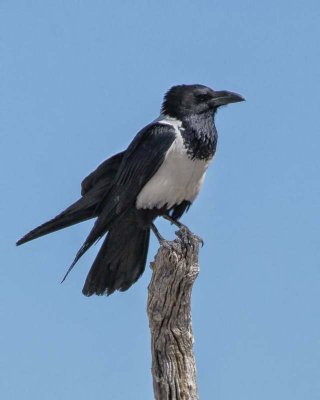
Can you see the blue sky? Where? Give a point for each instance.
(78, 80)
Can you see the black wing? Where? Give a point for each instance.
(140, 162)
(103, 175)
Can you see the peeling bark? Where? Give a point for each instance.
(175, 269)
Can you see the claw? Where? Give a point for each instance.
(200, 240)
(181, 227)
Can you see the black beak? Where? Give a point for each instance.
(223, 97)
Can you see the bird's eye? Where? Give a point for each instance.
(203, 96)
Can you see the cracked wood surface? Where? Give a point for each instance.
(175, 269)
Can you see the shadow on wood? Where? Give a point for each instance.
(175, 269)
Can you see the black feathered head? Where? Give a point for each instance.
(183, 100)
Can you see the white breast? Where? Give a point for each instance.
(179, 177)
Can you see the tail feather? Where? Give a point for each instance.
(100, 227)
(94, 188)
(80, 211)
(121, 259)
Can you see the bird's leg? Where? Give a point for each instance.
(181, 226)
(175, 222)
(163, 242)
(157, 233)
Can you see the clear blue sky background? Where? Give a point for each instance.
(78, 80)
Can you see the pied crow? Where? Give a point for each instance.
(159, 174)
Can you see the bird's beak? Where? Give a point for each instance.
(223, 97)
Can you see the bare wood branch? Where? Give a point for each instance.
(169, 310)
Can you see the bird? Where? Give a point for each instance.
(159, 175)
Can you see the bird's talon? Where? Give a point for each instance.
(200, 240)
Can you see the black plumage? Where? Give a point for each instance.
(160, 173)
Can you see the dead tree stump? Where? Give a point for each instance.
(175, 269)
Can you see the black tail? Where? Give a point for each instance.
(94, 188)
(121, 259)
(81, 210)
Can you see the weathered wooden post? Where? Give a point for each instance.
(175, 269)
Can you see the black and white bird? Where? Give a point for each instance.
(159, 174)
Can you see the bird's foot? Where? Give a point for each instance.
(183, 227)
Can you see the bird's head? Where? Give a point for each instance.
(183, 100)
